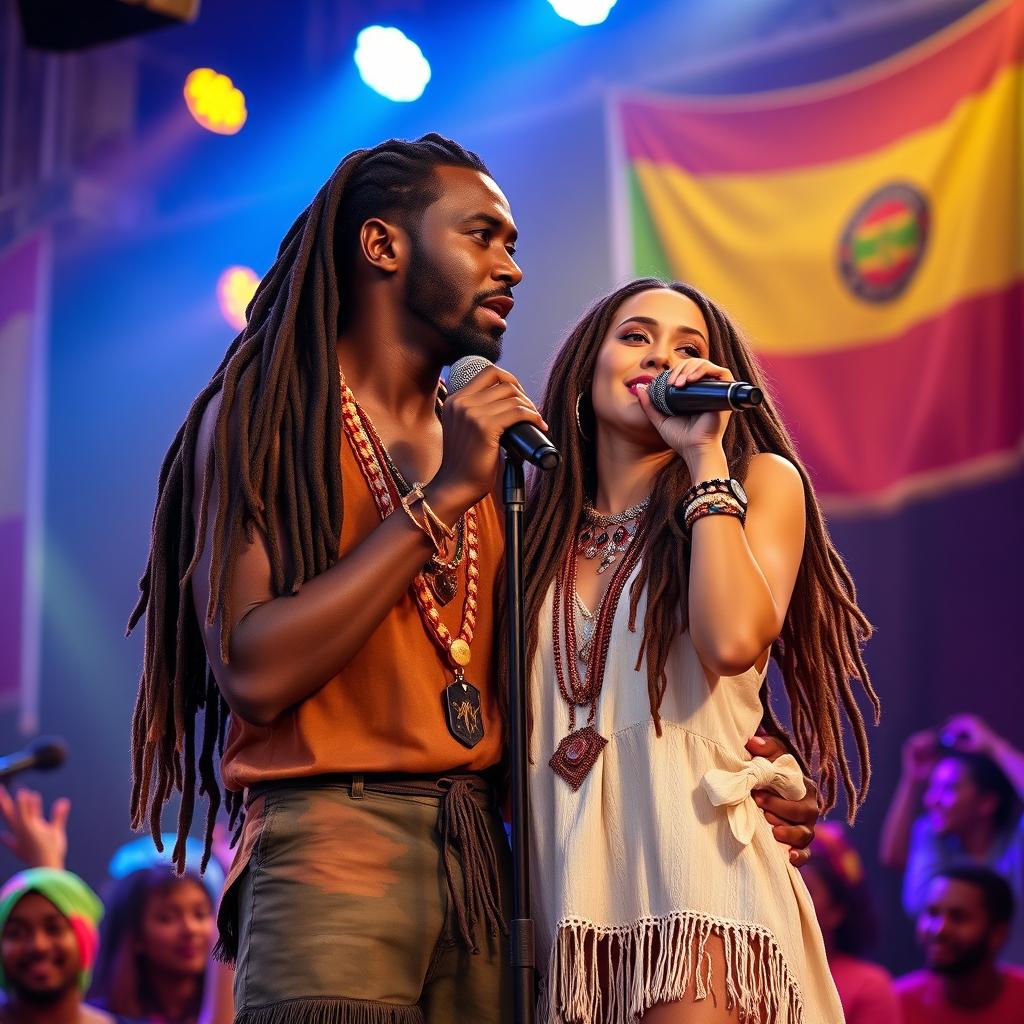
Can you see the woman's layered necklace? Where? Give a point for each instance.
(607, 537)
(461, 698)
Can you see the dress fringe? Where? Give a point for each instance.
(612, 974)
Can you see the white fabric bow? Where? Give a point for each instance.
(733, 789)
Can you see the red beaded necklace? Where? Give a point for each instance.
(578, 752)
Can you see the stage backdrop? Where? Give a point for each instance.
(136, 334)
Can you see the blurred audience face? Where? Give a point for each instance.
(176, 930)
(39, 951)
(956, 929)
(953, 800)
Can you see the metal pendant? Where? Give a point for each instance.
(577, 754)
(463, 712)
(444, 584)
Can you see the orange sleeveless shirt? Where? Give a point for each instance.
(383, 711)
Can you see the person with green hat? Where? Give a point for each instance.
(49, 937)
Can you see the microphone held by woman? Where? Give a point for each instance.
(702, 396)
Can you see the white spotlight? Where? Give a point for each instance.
(391, 63)
(583, 12)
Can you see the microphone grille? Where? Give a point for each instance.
(465, 369)
(657, 390)
(48, 751)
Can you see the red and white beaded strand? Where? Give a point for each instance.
(386, 499)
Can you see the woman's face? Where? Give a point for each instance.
(650, 332)
(177, 928)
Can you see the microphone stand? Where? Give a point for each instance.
(521, 941)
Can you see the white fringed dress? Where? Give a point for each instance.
(663, 847)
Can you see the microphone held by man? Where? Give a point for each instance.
(523, 440)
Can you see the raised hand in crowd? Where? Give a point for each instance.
(971, 734)
(37, 841)
(920, 755)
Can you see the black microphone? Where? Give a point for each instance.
(42, 754)
(523, 440)
(702, 396)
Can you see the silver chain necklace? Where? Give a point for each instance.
(595, 518)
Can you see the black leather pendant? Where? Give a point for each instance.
(463, 712)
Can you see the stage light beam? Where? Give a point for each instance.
(215, 101)
(390, 63)
(235, 290)
(583, 12)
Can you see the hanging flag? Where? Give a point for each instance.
(867, 234)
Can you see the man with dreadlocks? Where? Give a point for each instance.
(336, 628)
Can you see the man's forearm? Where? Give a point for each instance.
(283, 650)
(894, 845)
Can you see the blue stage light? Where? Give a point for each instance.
(583, 12)
(391, 63)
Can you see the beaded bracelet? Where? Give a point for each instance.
(723, 508)
(712, 499)
(698, 490)
(716, 500)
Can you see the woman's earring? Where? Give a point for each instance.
(579, 422)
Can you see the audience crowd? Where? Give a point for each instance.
(954, 828)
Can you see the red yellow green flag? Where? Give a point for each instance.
(867, 233)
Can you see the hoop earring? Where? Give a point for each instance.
(579, 423)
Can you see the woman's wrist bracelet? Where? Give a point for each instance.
(709, 500)
(720, 496)
(728, 485)
(723, 507)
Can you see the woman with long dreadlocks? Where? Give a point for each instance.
(344, 647)
(667, 559)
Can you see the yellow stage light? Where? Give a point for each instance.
(215, 102)
(235, 290)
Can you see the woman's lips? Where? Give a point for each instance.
(632, 385)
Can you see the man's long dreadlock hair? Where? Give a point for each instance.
(819, 649)
(276, 470)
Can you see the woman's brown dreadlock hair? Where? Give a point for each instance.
(276, 470)
(819, 649)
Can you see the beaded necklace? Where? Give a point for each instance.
(578, 752)
(441, 576)
(461, 698)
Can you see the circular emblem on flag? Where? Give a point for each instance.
(883, 243)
